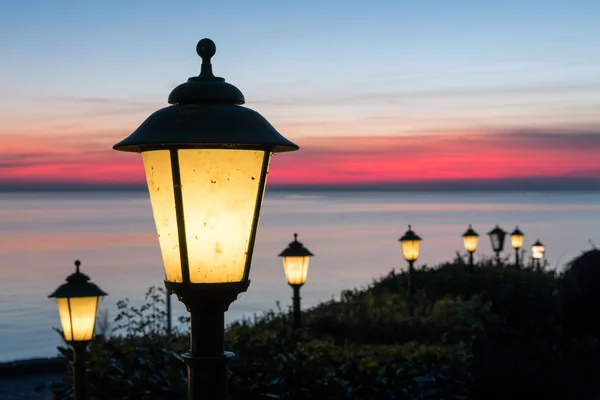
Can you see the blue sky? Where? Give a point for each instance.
(313, 68)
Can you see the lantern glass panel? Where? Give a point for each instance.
(516, 241)
(537, 252)
(77, 317)
(219, 189)
(470, 243)
(410, 249)
(296, 269)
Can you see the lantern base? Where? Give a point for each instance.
(207, 296)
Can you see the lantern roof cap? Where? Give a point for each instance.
(78, 285)
(538, 243)
(296, 249)
(409, 235)
(497, 231)
(517, 231)
(470, 232)
(206, 112)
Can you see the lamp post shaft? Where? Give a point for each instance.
(411, 269)
(498, 257)
(206, 360)
(517, 257)
(168, 313)
(297, 312)
(471, 258)
(79, 383)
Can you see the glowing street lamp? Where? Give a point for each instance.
(497, 236)
(411, 244)
(470, 238)
(295, 264)
(537, 252)
(77, 302)
(206, 161)
(516, 241)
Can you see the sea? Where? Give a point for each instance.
(353, 234)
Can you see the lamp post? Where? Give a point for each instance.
(497, 236)
(206, 161)
(295, 264)
(470, 238)
(410, 249)
(516, 241)
(537, 252)
(77, 302)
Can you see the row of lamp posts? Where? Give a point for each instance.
(497, 237)
(206, 160)
(78, 299)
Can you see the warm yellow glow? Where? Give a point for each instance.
(77, 317)
(160, 186)
(220, 189)
(537, 252)
(296, 269)
(516, 241)
(410, 249)
(470, 243)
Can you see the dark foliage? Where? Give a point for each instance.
(484, 332)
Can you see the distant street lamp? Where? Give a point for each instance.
(410, 249)
(295, 264)
(497, 236)
(537, 252)
(470, 238)
(77, 302)
(516, 241)
(206, 161)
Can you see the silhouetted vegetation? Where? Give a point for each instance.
(484, 332)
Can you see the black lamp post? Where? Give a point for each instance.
(410, 249)
(516, 241)
(497, 236)
(537, 252)
(206, 161)
(295, 265)
(470, 238)
(77, 302)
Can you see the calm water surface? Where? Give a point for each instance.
(352, 234)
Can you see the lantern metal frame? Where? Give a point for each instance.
(537, 261)
(296, 249)
(498, 245)
(517, 232)
(206, 113)
(410, 235)
(78, 285)
(470, 233)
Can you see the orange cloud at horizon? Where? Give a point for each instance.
(335, 160)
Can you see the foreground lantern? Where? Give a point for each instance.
(470, 237)
(206, 161)
(497, 236)
(77, 302)
(295, 264)
(516, 241)
(537, 252)
(411, 244)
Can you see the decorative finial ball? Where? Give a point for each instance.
(206, 48)
(77, 263)
(295, 236)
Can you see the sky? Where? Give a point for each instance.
(373, 92)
